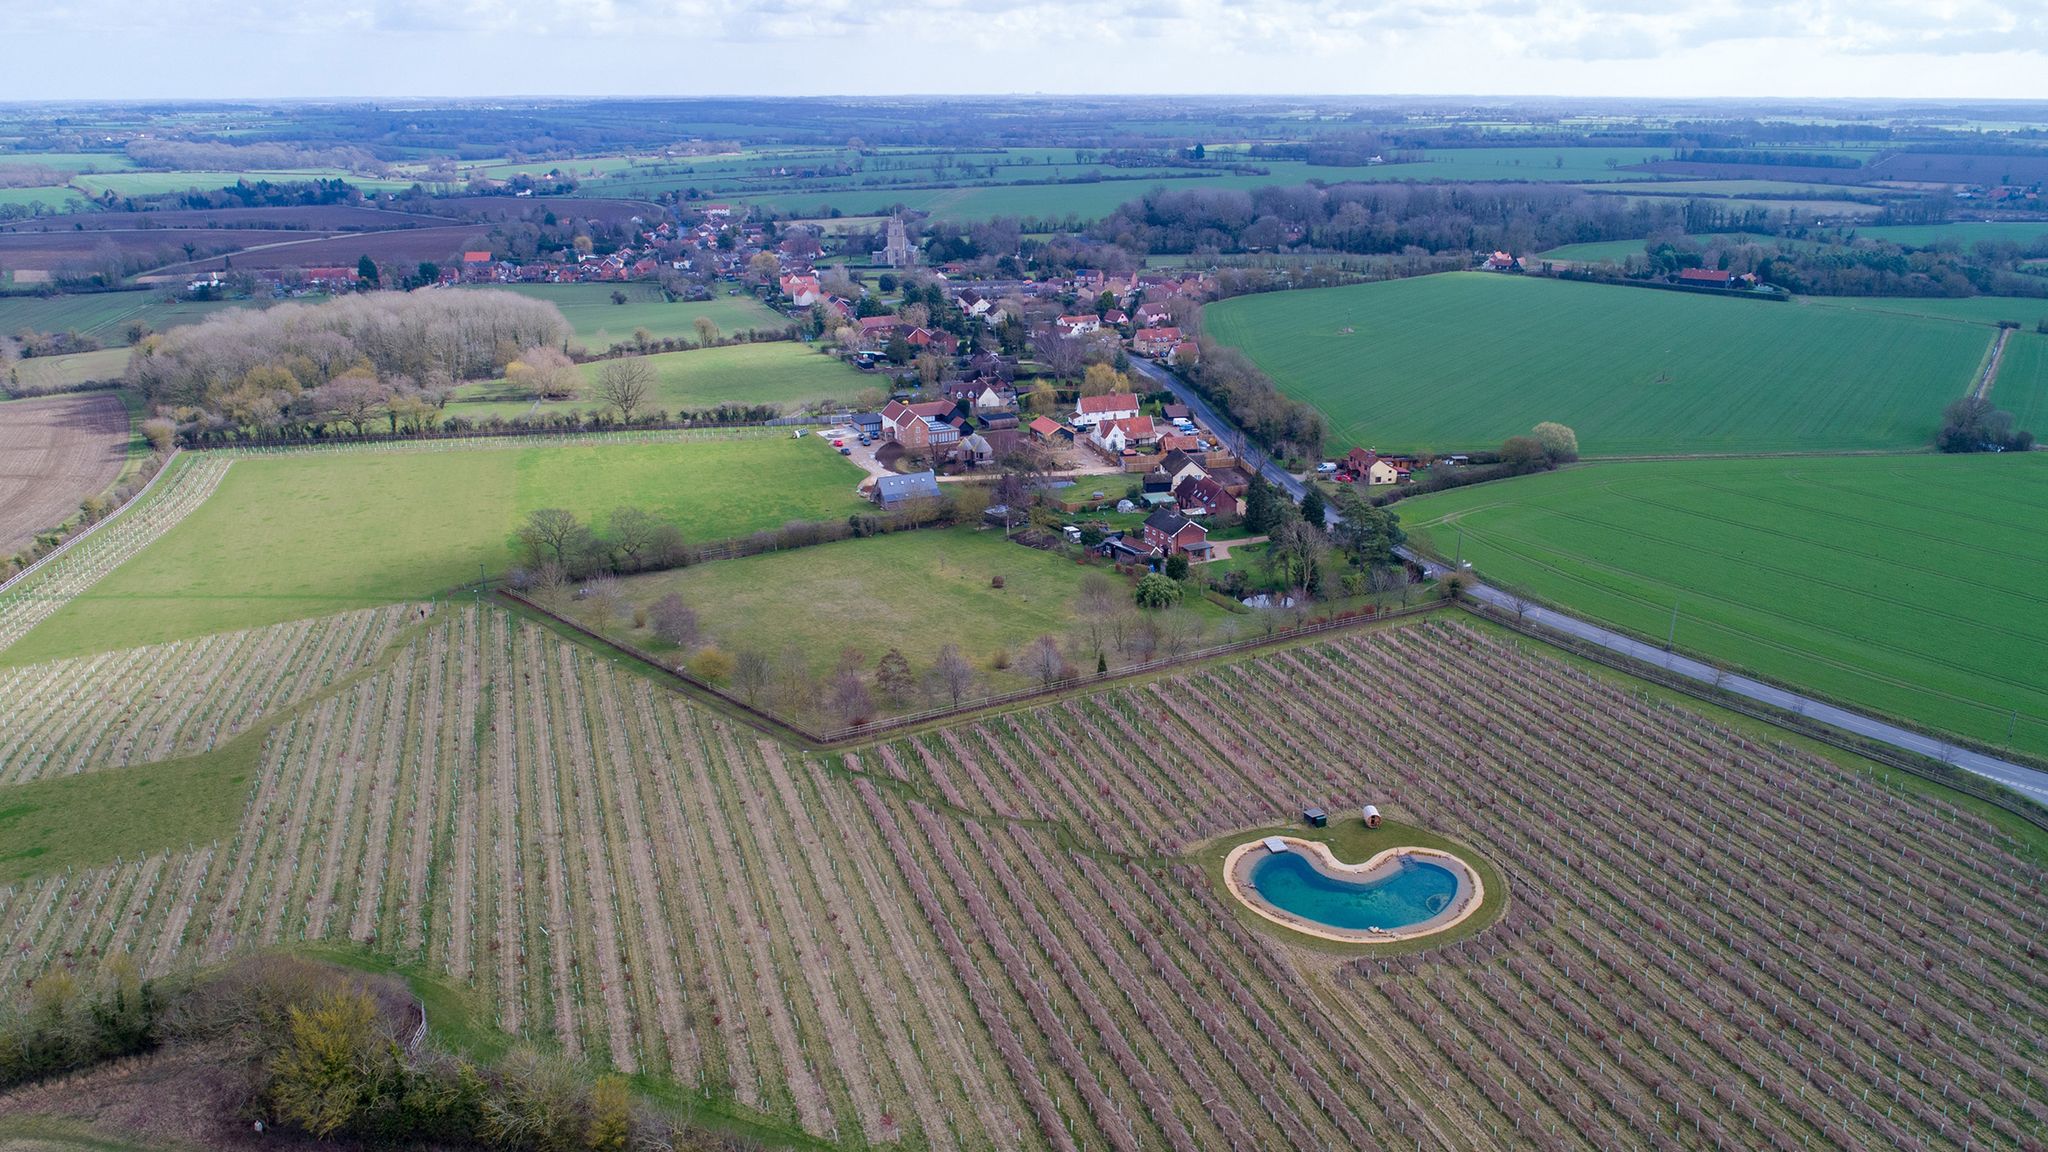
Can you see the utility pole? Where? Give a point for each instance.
(1671, 637)
(1459, 563)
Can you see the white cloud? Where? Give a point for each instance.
(75, 48)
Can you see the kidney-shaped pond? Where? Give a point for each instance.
(1399, 894)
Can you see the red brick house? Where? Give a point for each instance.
(1155, 341)
(1175, 534)
(919, 426)
(1706, 278)
(1201, 496)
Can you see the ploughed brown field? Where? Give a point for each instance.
(404, 245)
(314, 218)
(54, 452)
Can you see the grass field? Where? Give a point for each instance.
(1983, 310)
(300, 535)
(1960, 231)
(599, 323)
(2022, 385)
(49, 373)
(1463, 360)
(104, 316)
(781, 372)
(1616, 251)
(914, 591)
(1906, 585)
(53, 199)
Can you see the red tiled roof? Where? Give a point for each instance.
(1111, 402)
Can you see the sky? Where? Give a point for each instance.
(197, 49)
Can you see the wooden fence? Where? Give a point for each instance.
(859, 733)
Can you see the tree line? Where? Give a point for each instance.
(309, 1048)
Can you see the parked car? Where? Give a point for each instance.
(846, 451)
(1327, 467)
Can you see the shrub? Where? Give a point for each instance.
(1158, 590)
(674, 621)
(711, 664)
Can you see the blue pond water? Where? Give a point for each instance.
(1413, 892)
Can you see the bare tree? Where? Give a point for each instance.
(605, 600)
(892, 677)
(953, 674)
(549, 579)
(675, 622)
(707, 331)
(1043, 662)
(751, 672)
(851, 701)
(1181, 629)
(625, 385)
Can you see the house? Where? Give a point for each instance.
(803, 291)
(973, 451)
(1115, 316)
(1091, 410)
(982, 394)
(1706, 278)
(1154, 315)
(1047, 430)
(933, 340)
(1180, 466)
(1114, 436)
(1072, 326)
(892, 491)
(1502, 262)
(919, 426)
(877, 331)
(973, 303)
(331, 277)
(867, 424)
(1174, 535)
(1180, 442)
(1155, 341)
(1177, 413)
(1201, 496)
(1371, 468)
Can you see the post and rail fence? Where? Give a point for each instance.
(855, 733)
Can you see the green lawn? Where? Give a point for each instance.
(782, 372)
(1616, 251)
(1985, 310)
(291, 536)
(104, 316)
(1463, 360)
(914, 591)
(599, 323)
(1907, 585)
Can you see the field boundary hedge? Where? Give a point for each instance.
(379, 439)
(861, 733)
(1926, 768)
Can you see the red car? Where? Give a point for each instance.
(839, 443)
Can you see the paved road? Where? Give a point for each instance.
(2026, 781)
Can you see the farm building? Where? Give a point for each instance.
(1315, 817)
(891, 491)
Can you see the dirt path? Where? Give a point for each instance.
(1223, 547)
(54, 452)
(1990, 374)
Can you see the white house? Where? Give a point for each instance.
(1091, 410)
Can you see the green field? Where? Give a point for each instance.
(599, 323)
(913, 591)
(2022, 385)
(1463, 360)
(104, 316)
(286, 537)
(50, 373)
(1960, 231)
(1981, 310)
(52, 199)
(1908, 585)
(1616, 251)
(780, 372)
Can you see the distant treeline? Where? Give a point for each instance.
(1380, 218)
(197, 156)
(1769, 157)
